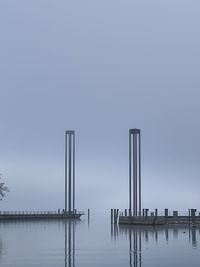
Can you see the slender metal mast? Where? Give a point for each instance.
(69, 171)
(135, 172)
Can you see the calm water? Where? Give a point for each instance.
(96, 243)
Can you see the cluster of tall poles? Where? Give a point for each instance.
(134, 172)
(135, 208)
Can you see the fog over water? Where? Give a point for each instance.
(100, 68)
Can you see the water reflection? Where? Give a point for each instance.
(70, 244)
(135, 259)
(139, 237)
(114, 231)
(1, 247)
(194, 238)
(41, 234)
(54, 243)
(88, 219)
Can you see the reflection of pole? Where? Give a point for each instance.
(136, 235)
(73, 244)
(140, 249)
(130, 249)
(135, 247)
(189, 232)
(66, 256)
(156, 235)
(116, 231)
(111, 230)
(69, 244)
(194, 239)
(88, 218)
(146, 236)
(166, 234)
(175, 232)
(111, 216)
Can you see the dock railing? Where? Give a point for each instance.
(156, 212)
(38, 213)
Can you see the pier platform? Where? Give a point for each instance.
(192, 216)
(38, 215)
(158, 220)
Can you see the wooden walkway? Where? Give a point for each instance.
(38, 215)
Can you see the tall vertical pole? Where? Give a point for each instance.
(140, 197)
(135, 171)
(70, 171)
(66, 157)
(133, 177)
(73, 172)
(130, 176)
(133, 151)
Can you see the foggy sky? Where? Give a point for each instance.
(100, 68)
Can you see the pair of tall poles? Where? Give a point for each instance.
(70, 171)
(134, 172)
(135, 208)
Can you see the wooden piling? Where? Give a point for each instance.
(156, 212)
(125, 212)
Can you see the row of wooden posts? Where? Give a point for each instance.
(145, 212)
(114, 216)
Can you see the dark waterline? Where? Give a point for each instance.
(96, 243)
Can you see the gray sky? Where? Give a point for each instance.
(100, 68)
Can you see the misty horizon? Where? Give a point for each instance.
(99, 68)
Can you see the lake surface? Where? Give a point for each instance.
(96, 243)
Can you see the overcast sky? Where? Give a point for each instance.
(99, 67)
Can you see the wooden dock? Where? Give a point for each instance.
(38, 215)
(154, 218)
(158, 220)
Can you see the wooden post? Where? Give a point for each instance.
(125, 212)
(156, 212)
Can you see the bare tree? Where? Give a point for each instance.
(3, 188)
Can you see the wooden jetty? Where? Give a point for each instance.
(157, 220)
(38, 215)
(154, 219)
